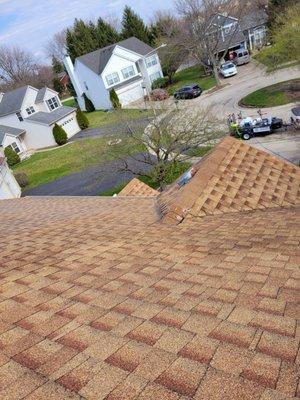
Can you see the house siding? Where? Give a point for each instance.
(9, 187)
(96, 91)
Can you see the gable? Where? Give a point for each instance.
(12, 101)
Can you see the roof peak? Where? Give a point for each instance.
(233, 177)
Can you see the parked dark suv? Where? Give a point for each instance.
(188, 92)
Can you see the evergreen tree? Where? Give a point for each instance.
(60, 135)
(105, 34)
(57, 85)
(114, 99)
(81, 39)
(57, 66)
(12, 157)
(89, 106)
(133, 25)
(82, 120)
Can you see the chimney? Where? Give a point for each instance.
(75, 81)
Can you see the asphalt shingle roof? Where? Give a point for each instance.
(100, 300)
(12, 101)
(254, 19)
(41, 94)
(10, 131)
(139, 189)
(52, 117)
(98, 59)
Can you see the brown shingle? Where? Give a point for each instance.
(138, 188)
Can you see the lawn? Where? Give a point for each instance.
(274, 95)
(69, 103)
(191, 75)
(47, 166)
(99, 119)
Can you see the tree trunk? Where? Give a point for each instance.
(216, 75)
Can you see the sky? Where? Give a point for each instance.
(31, 23)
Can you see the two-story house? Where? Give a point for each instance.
(129, 67)
(27, 118)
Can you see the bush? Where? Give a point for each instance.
(60, 135)
(159, 95)
(159, 83)
(114, 99)
(22, 179)
(82, 120)
(12, 157)
(89, 106)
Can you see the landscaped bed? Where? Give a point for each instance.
(274, 95)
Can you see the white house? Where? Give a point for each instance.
(129, 67)
(9, 187)
(28, 115)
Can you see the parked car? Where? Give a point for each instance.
(188, 92)
(228, 69)
(241, 57)
(248, 127)
(295, 117)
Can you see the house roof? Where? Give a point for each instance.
(100, 300)
(138, 188)
(41, 94)
(9, 130)
(254, 19)
(98, 59)
(234, 177)
(221, 20)
(12, 101)
(52, 117)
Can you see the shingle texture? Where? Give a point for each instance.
(12, 101)
(234, 177)
(100, 300)
(51, 117)
(138, 188)
(98, 59)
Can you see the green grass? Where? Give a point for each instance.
(70, 103)
(191, 75)
(115, 190)
(199, 151)
(47, 166)
(272, 96)
(104, 118)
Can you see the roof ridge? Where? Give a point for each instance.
(233, 177)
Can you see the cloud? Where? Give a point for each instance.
(33, 24)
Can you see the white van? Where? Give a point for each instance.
(241, 56)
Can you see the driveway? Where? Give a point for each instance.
(90, 182)
(250, 77)
(285, 145)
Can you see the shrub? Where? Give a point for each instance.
(114, 99)
(159, 83)
(159, 95)
(82, 120)
(60, 135)
(22, 179)
(89, 106)
(11, 156)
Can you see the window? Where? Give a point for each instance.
(112, 78)
(15, 147)
(152, 60)
(128, 72)
(53, 103)
(30, 110)
(155, 76)
(20, 118)
(66, 122)
(86, 86)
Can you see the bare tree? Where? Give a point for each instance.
(16, 65)
(202, 33)
(168, 141)
(56, 47)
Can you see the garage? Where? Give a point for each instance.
(129, 93)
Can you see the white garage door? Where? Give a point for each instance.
(131, 93)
